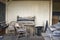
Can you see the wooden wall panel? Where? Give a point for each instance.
(55, 19)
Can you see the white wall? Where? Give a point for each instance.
(39, 9)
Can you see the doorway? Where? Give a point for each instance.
(55, 17)
(2, 12)
(56, 12)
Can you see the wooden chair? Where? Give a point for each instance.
(20, 30)
(10, 29)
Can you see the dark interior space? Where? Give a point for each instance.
(56, 11)
(2, 12)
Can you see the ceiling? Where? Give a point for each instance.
(37, 0)
(30, 0)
